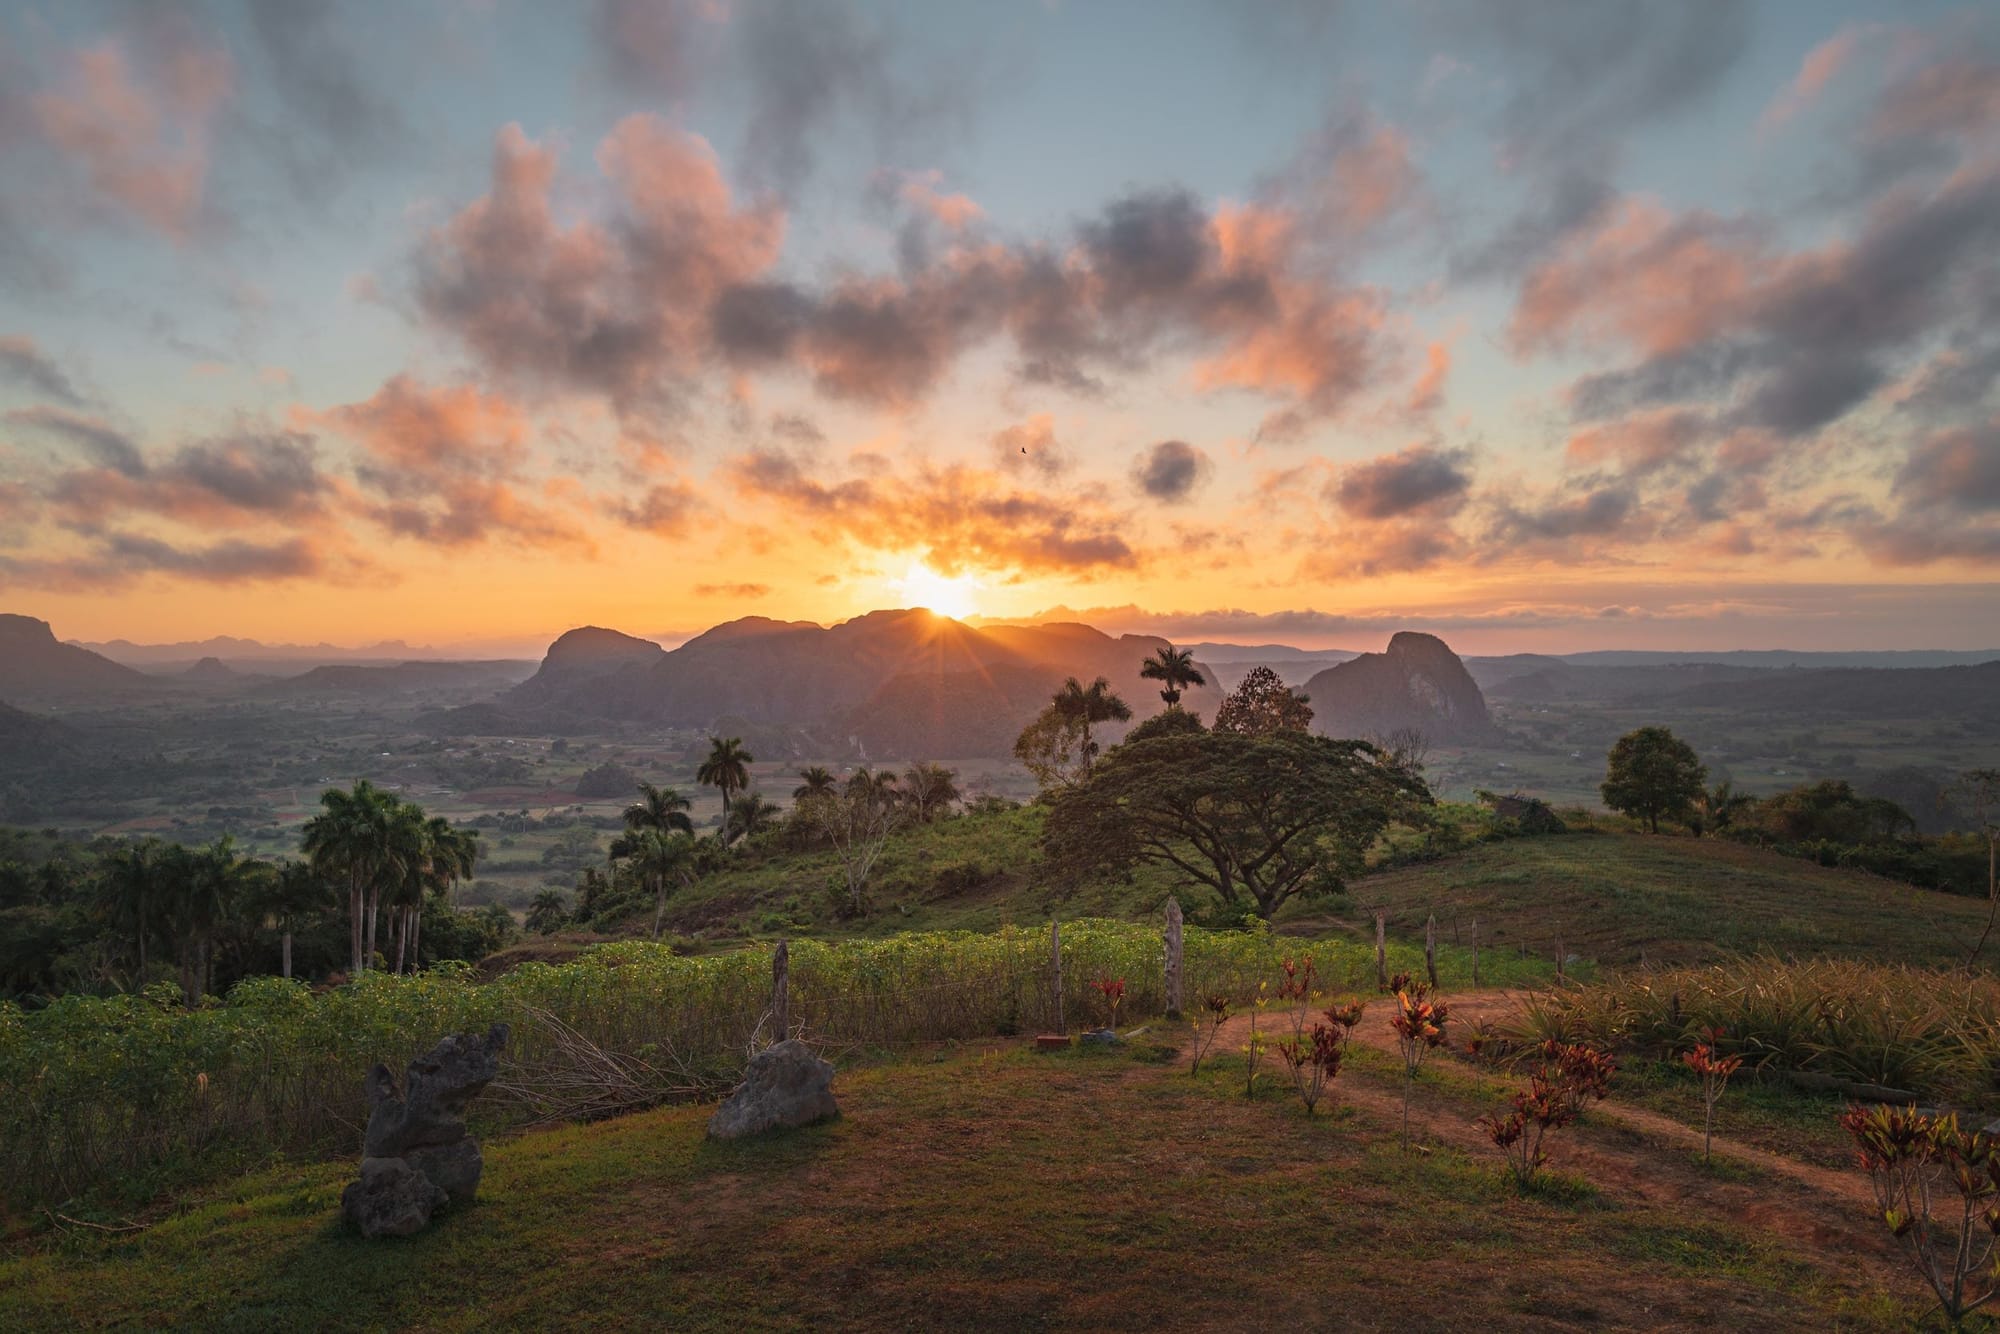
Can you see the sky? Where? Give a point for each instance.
(1551, 325)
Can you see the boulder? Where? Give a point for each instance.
(416, 1156)
(786, 1084)
(391, 1199)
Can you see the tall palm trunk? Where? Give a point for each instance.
(142, 938)
(416, 938)
(286, 952)
(374, 920)
(354, 910)
(659, 904)
(399, 930)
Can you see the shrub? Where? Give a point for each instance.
(1567, 1077)
(1912, 1160)
(1315, 1058)
(1419, 1023)
(1714, 1071)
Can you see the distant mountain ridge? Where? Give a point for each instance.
(33, 662)
(902, 683)
(1417, 682)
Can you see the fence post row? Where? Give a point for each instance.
(1173, 958)
(781, 989)
(1381, 950)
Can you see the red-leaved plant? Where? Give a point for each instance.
(1566, 1078)
(1714, 1070)
(1113, 991)
(1911, 1158)
(1315, 1058)
(1217, 1010)
(1297, 991)
(1419, 1023)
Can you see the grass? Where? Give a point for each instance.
(991, 1188)
(1631, 898)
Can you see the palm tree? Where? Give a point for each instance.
(210, 883)
(752, 814)
(297, 893)
(133, 888)
(1084, 705)
(1175, 670)
(814, 782)
(929, 790)
(350, 838)
(727, 767)
(656, 857)
(454, 854)
(549, 912)
(659, 808)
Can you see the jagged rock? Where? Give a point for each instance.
(421, 1134)
(1417, 683)
(392, 1199)
(786, 1084)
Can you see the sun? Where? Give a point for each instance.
(921, 586)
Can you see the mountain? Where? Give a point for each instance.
(1267, 654)
(1562, 681)
(212, 671)
(228, 648)
(901, 683)
(402, 679)
(1417, 682)
(1955, 694)
(32, 662)
(29, 742)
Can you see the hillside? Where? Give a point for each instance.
(33, 662)
(28, 742)
(402, 679)
(1418, 682)
(904, 684)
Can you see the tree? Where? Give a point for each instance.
(1652, 775)
(1086, 706)
(350, 839)
(658, 858)
(659, 808)
(814, 782)
(1174, 669)
(1982, 788)
(727, 767)
(209, 884)
(296, 894)
(1051, 748)
(133, 888)
(752, 814)
(857, 821)
(930, 789)
(548, 913)
(1721, 805)
(1263, 705)
(1257, 817)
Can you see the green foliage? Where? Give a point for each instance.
(1829, 812)
(117, 1087)
(606, 780)
(1652, 775)
(1257, 817)
(1263, 705)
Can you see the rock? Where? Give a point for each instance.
(416, 1156)
(1418, 683)
(392, 1199)
(787, 1084)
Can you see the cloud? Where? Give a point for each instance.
(1601, 512)
(656, 48)
(330, 90)
(23, 362)
(132, 118)
(1171, 471)
(734, 591)
(118, 560)
(959, 517)
(1418, 479)
(103, 443)
(1030, 445)
(443, 464)
(1956, 470)
(619, 307)
(1641, 442)
(1818, 69)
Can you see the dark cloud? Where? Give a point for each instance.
(1031, 446)
(324, 82)
(119, 559)
(664, 509)
(657, 48)
(104, 444)
(1955, 470)
(1420, 478)
(24, 363)
(1598, 513)
(1171, 471)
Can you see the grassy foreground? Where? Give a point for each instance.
(987, 1187)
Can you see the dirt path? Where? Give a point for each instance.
(1625, 1150)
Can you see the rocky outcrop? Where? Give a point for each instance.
(416, 1157)
(32, 662)
(786, 1084)
(1417, 683)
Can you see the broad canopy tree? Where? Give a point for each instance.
(1651, 775)
(1262, 704)
(1254, 817)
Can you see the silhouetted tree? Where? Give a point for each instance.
(1174, 668)
(1262, 705)
(1087, 706)
(727, 768)
(1651, 775)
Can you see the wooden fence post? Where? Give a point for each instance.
(1431, 950)
(1173, 958)
(1055, 972)
(1475, 951)
(1561, 958)
(781, 989)
(1381, 950)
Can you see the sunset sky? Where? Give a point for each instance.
(1543, 325)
